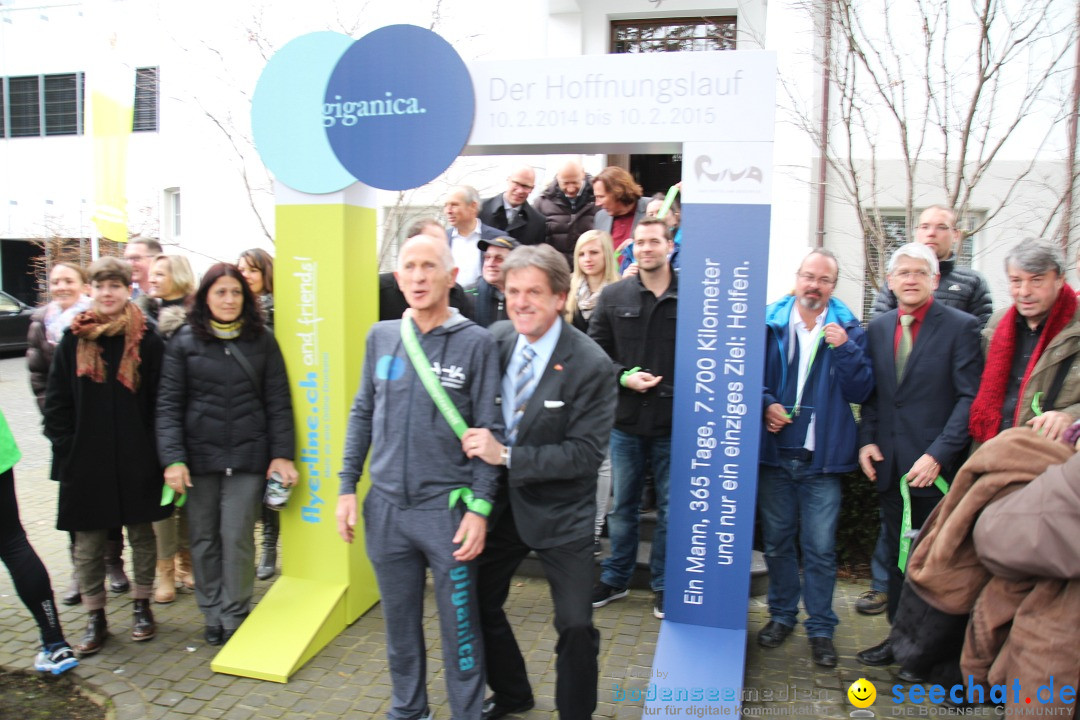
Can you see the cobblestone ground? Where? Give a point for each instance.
(170, 676)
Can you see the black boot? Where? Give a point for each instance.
(144, 627)
(114, 566)
(271, 526)
(97, 629)
(72, 596)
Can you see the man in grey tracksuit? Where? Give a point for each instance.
(416, 465)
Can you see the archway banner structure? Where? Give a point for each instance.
(331, 128)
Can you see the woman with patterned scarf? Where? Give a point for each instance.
(99, 415)
(224, 425)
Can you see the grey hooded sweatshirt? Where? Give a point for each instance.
(416, 459)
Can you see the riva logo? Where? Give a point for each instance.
(703, 166)
(349, 112)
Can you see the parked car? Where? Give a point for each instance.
(14, 323)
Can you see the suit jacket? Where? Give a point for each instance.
(927, 413)
(561, 441)
(528, 227)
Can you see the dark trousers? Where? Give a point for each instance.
(28, 574)
(569, 571)
(892, 509)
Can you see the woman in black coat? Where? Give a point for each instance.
(224, 426)
(99, 415)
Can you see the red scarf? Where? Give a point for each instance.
(985, 420)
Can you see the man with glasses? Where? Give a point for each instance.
(927, 360)
(1030, 377)
(960, 287)
(816, 365)
(139, 253)
(511, 213)
(490, 302)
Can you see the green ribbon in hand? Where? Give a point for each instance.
(168, 495)
(905, 520)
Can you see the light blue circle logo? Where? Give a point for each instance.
(389, 367)
(392, 109)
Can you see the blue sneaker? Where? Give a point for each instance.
(58, 660)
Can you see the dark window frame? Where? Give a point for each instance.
(645, 42)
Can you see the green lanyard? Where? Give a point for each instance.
(815, 343)
(905, 521)
(446, 407)
(431, 383)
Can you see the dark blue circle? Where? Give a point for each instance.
(410, 101)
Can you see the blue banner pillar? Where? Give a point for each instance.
(719, 362)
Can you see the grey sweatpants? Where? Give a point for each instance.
(221, 514)
(401, 544)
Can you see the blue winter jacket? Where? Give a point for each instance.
(846, 376)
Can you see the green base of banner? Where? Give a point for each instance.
(305, 615)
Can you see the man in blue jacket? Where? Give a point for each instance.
(816, 364)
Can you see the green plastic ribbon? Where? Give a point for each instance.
(168, 495)
(473, 504)
(430, 382)
(668, 200)
(815, 343)
(628, 373)
(905, 520)
(1036, 406)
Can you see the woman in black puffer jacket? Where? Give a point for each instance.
(224, 423)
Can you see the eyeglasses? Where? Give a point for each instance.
(909, 274)
(494, 258)
(521, 185)
(814, 279)
(940, 227)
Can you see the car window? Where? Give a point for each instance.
(7, 305)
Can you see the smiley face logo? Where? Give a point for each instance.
(862, 693)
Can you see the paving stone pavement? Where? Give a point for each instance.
(170, 676)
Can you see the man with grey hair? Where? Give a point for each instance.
(1032, 350)
(428, 504)
(816, 365)
(958, 287)
(927, 359)
(462, 207)
(558, 406)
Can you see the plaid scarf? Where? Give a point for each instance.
(89, 326)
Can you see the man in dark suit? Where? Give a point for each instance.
(559, 405)
(927, 360)
(511, 213)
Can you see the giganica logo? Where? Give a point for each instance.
(392, 109)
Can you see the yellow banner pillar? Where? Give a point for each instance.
(325, 299)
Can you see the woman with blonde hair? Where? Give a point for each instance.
(594, 269)
(171, 285)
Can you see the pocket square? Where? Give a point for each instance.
(553, 404)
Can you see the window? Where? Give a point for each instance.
(146, 100)
(63, 104)
(24, 104)
(673, 35)
(172, 214)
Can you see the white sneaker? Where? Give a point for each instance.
(59, 660)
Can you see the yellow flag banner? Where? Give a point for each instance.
(112, 96)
